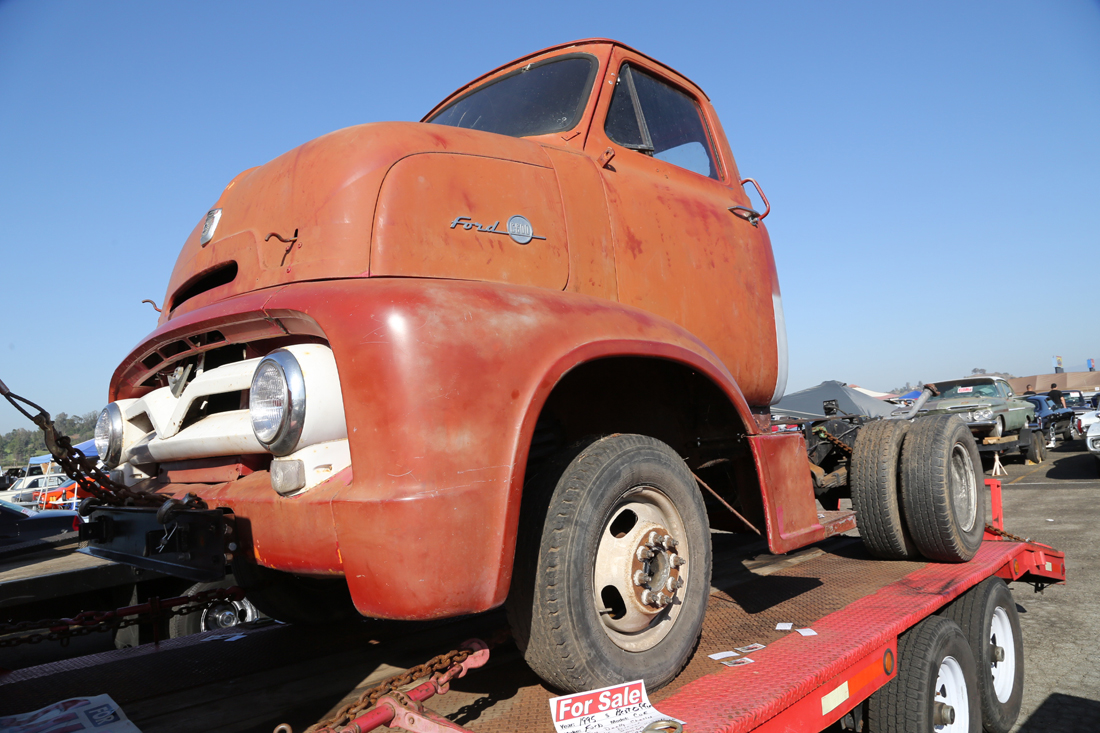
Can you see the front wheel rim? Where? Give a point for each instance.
(1003, 672)
(641, 568)
(226, 614)
(951, 690)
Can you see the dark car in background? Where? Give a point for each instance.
(1053, 420)
(20, 524)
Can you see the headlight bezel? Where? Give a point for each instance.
(293, 418)
(111, 415)
(983, 414)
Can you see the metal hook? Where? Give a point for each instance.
(152, 303)
(292, 240)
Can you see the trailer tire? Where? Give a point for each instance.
(987, 615)
(935, 666)
(942, 494)
(578, 629)
(1036, 449)
(216, 615)
(876, 490)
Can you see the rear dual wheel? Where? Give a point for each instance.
(613, 564)
(943, 496)
(876, 490)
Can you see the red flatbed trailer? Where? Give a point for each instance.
(857, 606)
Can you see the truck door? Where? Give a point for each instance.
(679, 251)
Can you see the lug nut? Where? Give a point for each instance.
(677, 561)
(669, 542)
(641, 577)
(998, 653)
(643, 553)
(652, 540)
(662, 600)
(648, 598)
(673, 584)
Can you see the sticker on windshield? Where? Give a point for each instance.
(964, 390)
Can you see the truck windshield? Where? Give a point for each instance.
(534, 100)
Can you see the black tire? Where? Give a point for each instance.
(294, 598)
(1071, 433)
(582, 525)
(987, 615)
(942, 491)
(216, 615)
(1036, 449)
(908, 703)
(876, 490)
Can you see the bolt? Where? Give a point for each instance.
(648, 598)
(232, 546)
(643, 553)
(673, 584)
(677, 561)
(668, 542)
(641, 578)
(943, 714)
(652, 540)
(662, 600)
(998, 653)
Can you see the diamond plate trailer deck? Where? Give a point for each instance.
(264, 675)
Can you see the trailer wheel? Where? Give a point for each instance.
(216, 615)
(936, 686)
(988, 618)
(998, 428)
(1036, 449)
(613, 565)
(876, 493)
(941, 489)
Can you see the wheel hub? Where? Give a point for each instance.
(655, 569)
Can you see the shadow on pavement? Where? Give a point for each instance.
(1064, 714)
(1075, 466)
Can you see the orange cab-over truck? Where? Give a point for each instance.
(519, 353)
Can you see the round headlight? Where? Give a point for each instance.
(983, 415)
(108, 435)
(277, 402)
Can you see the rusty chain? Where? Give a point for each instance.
(821, 432)
(90, 622)
(1007, 535)
(369, 698)
(83, 469)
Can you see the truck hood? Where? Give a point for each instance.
(310, 213)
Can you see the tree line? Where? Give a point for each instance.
(21, 444)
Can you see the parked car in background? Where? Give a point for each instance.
(1085, 420)
(21, 524)
(1053, 420)
(27, 489)
(987, 404)
(1092, 440)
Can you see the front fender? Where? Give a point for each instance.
(443, 382)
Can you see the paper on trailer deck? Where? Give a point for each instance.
(77, 714)
(621, 708)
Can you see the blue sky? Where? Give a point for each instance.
(932, 167)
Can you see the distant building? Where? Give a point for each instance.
(1084, 381)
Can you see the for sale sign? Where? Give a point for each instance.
(621, 708)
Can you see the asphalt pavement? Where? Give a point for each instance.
(1058, 503)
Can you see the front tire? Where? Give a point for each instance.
(613, 567)
(987, 615)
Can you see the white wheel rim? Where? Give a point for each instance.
(951, 690)
(638, 627)
(1004, 672)
(964, 492)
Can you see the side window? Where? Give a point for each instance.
(1005, 391)
(654, 118)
